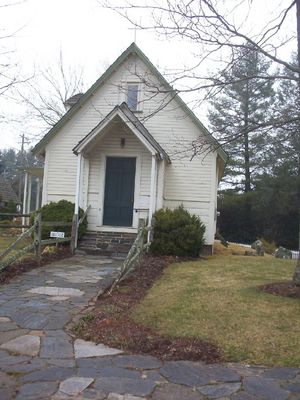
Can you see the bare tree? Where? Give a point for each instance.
(218, 29)
(210, 25)
(46, 94)
(9, 73)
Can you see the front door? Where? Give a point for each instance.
(119, 191)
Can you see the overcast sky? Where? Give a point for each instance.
(88, 35)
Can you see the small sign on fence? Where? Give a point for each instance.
(54, 234)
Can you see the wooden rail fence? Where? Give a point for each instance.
(34, 231)
(133, 257)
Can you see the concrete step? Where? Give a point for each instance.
(98, 252)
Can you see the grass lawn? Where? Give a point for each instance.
(218, 300)
(6, 241)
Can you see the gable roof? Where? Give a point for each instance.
(6, 191)
(132, 49)
(128, 117)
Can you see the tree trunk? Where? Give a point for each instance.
(246, 142)
(296, 277)
(247, 163)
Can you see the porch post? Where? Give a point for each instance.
(85, 185)
(29, 193)
(38, 189)
(25, 199)
(160, 184)
(77, 196)
(78, 180)
(152, 202)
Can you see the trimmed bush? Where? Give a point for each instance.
(177, 233)
(9, 208)
(63, 210)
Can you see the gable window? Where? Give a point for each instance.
(132, 96)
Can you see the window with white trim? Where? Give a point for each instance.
(133, 96)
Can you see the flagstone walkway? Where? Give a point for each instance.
(38, 360)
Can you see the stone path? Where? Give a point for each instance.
(38, 360)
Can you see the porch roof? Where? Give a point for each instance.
(34, 171)
(133, 123)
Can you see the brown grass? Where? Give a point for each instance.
(232, 249)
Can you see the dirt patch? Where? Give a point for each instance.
(29, 263)
(111, 323)
(285, 289)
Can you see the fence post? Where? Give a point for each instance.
(74, 233)
(38, 236)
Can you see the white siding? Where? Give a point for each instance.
(191, 183)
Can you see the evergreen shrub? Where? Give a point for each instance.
(62, 210)
(177, 233)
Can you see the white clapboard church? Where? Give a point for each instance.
(126, 148)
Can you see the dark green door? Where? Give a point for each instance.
(119, 191)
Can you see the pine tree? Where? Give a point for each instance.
(286, 147)
(236, 114)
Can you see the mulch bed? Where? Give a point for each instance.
(111, 322)
(286, 289)
(29, 263)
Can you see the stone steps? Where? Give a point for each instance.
(114, 244)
